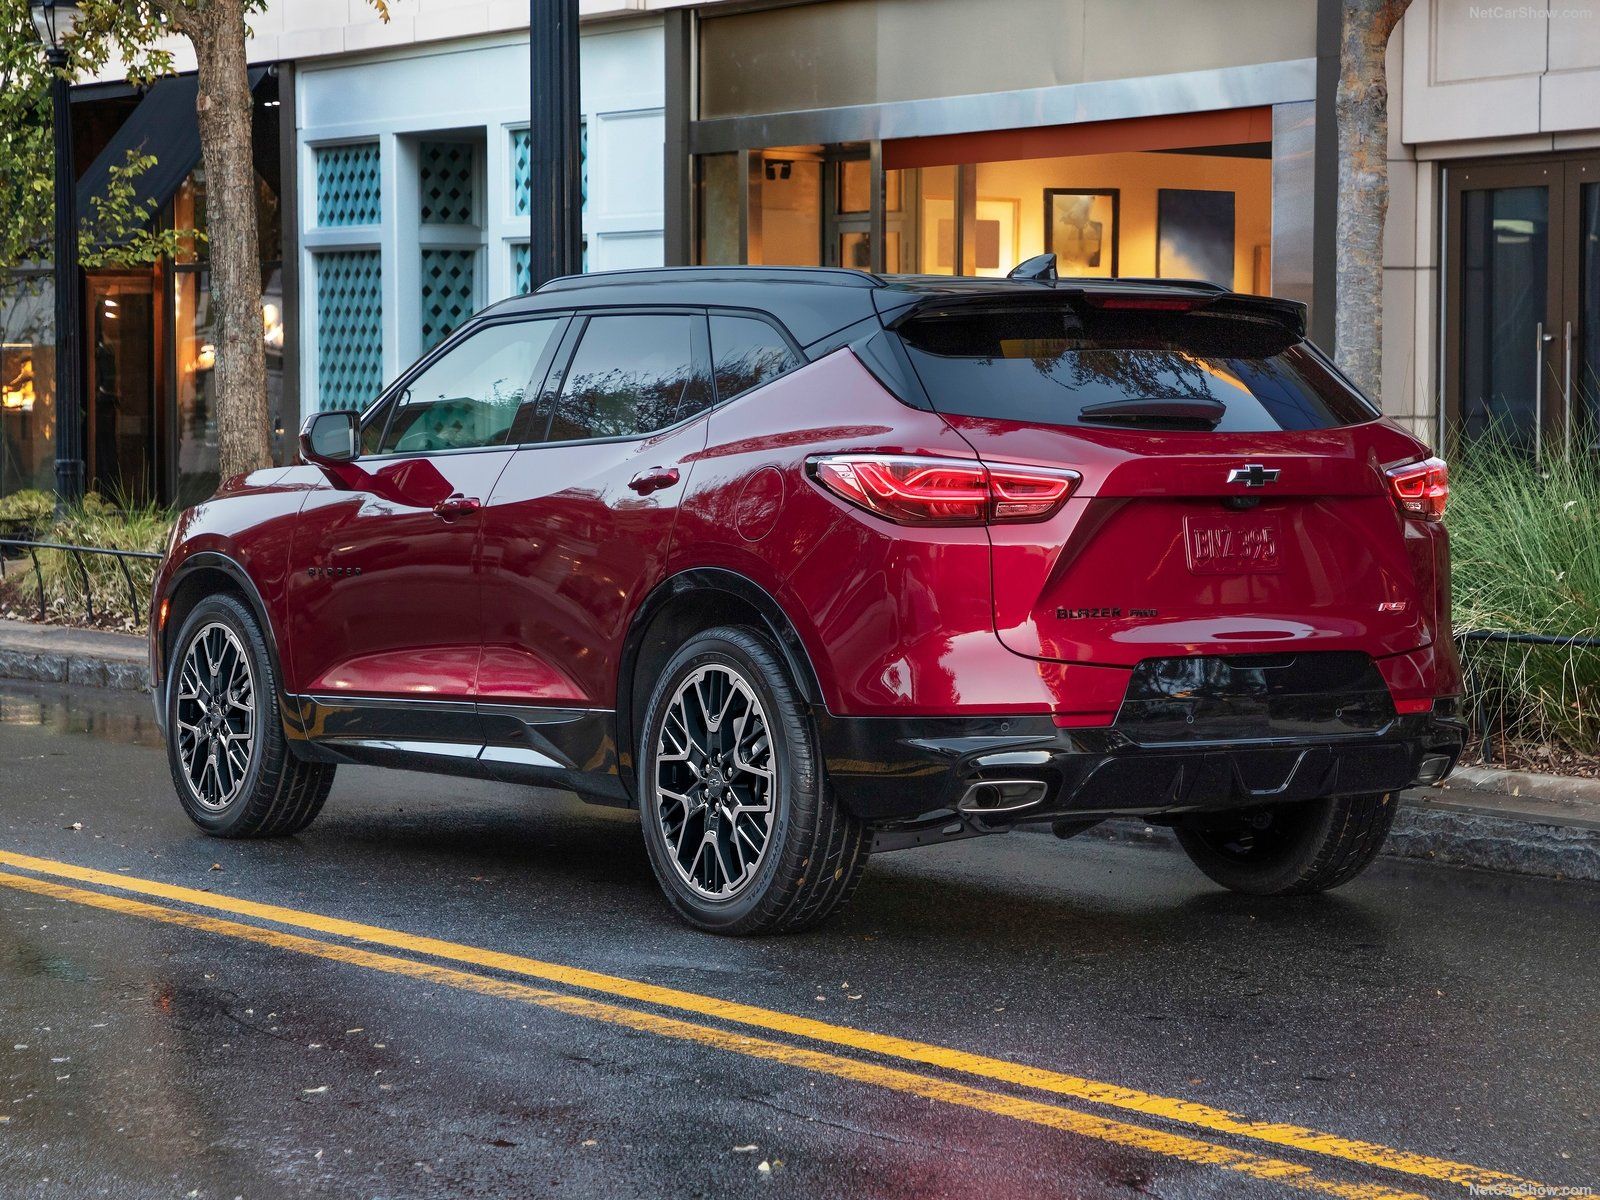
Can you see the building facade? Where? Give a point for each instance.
(1166, 138)
(392, 171)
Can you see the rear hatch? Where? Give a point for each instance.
(1233, 496)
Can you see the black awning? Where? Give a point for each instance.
(164, 125)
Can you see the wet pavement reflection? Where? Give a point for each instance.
(1442, 1011)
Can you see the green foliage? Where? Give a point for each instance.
(1526, 551)
(94, 522)
(25, 512)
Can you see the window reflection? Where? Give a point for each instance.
(630, 375)
(27, 383)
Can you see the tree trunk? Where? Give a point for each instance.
(224, 106)
(1362, 117)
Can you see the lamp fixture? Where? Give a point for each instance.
(54, 20)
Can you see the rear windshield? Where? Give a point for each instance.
(1128, 369)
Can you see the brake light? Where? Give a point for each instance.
(1145, 302)
(940, 491)
(1421, 489)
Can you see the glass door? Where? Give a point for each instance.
(1580, 327)
(1503, 347)
(123, 418)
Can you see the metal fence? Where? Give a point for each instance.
(136, 604)
(1480, 713)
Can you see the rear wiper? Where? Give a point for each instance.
(1167, 414)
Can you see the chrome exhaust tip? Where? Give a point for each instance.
(997, 797)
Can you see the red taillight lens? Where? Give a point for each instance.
(941, 491)
(1421, 489)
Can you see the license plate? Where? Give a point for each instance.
(1237, 546)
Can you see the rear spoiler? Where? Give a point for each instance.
(1157, 296)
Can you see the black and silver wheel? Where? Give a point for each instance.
(743, 834)
(1289, 849)
(231, 763)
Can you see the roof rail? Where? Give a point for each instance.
(838, 276)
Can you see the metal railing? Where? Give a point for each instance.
(76, 554)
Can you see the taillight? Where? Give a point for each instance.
(1421, 489)
(943, 491)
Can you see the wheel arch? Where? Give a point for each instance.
(686, 603)
(198, 577)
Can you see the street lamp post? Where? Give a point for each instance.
(556, 236)
(55, 21)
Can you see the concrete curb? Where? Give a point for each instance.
(1511, 821)
(81, 657)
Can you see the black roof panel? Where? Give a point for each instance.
(811, 302)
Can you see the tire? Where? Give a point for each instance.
(814, 850)
(255, 786)
(1291, 849)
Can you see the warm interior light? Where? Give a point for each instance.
(17, 393)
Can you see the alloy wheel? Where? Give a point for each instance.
(715, 781)
(215, 716)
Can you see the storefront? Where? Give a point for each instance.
(415, 212)
(150, 424)
(1175, 141)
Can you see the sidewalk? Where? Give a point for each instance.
(86, 657)
(1512, 821)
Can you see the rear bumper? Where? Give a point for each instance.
(889, 770)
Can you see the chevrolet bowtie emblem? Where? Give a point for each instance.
(1253, 475)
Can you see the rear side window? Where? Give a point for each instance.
(630, 375)
(1127, 369)
(746, 353)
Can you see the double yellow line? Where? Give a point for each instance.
(1178, 1146)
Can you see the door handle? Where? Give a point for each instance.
(456, 505)
(653, 480)
(1567, 416)
(1540, 340)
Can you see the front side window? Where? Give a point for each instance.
(746, 353)
(470, 397)
(631, 375)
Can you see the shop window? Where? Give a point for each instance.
(349, 185)
(449, 292)
(521, 268)
(27, 382)
(786, 210)
(349, 328)
(522, 180)
(447, 183)
(717, 188)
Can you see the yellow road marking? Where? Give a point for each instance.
(1186, 1112)
(1175, 1146)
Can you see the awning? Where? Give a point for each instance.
(164, 125)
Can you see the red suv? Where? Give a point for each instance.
(808, 563)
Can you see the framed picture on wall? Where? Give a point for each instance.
(1194, 235)
(1080, 229)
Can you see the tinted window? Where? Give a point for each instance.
(1047, 365)
(746, 353)
(470, 397)
(630, 375)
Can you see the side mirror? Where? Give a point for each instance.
(331, 437)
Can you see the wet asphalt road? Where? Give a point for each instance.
(1426, 1009)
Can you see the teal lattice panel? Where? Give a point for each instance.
(447, 183)
(521, 268)
(349, 185)
(349, 328)
(522, 167)
(449, 292)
